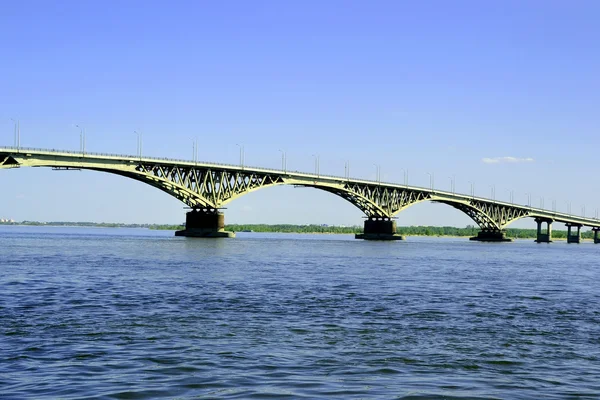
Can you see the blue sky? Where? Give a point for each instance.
(432, 86)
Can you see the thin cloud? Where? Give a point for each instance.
(511, 160)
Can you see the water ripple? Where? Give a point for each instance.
(130, 315)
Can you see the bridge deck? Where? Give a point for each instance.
(83, 160)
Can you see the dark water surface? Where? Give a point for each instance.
(126, 313)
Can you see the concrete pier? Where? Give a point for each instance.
(571, 236)
(541, 236)
(596, 235)
(491, 236)
(379, 228)
(205, 223)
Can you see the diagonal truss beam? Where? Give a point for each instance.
(212, 186)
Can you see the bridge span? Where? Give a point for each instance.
(207, 187)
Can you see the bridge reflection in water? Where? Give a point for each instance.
(208, 187)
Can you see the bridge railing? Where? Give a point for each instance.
(179, 160)
(283, 172)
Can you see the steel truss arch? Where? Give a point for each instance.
(210, 185)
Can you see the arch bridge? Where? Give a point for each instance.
(208, 187)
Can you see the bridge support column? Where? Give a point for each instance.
(379, 228)
(489, 235)
(573, 237)
(541, 236)
(206, 223)
(596, 235)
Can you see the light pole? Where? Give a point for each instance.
(493, 187)
(241, 155)
(568, 207)
(81, 139)
(405, 172)
(378, 173)
(195, 150)
(316, 164)
(542, 203)
(528, 199)
(512, 196)
(553, 205)
(140, 138)
(452, 181)
(347, 170)
(17, 133)
(283, 161)
(472, 189)
(583, 211)
(431, 177)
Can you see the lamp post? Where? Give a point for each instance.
(81, 139)
(493, 187)
(316, 164)
(283, 161)
(431, 178)
(241, 155)
(512, 196)
(195, 150)
(472, 189)
(347, 170)
(405, 173)
(452, 183)
(542, 203)
(140, 138)
(17, 133)
(528, 199)
(568, 207)
(378, 173)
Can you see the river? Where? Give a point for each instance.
(133, 313)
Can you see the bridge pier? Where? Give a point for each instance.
(490, 235)
(379, 228)
(544, 237)
(573, 237)
(206, 223)
(596, 236)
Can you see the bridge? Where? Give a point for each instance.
(207, 187)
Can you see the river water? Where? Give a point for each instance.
(133, 313)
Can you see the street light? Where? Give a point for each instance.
(140, 138)
(241, 155)
(17, 133)
(316, 164)
(405, 172)
(195, 150)
(542, 203)
(347, 170)
(472, 189)
(378, 173)
(493, 187)
(283, 161)
(528, 199)
(512, 196)
(568, 207)
(452, 179)
(81, 139)
(431, 177)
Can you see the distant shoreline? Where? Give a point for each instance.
(435, 231)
